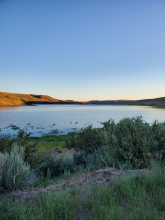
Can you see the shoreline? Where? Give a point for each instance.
(66, 103)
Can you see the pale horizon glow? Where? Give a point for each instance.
(83, 50)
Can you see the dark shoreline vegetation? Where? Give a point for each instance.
(29, 163)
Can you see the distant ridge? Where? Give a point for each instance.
(155, 101)
(17, 99)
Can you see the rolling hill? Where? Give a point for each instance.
(13, 99)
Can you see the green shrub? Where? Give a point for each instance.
(57, 166)
(5, 143)
(89, 161)
(87, 140)
(31, 154)
(51, 167)
(37, 159)
(109, 125)
(67, 164)
(15, 172)
(104, 157)
(23, 140)
(157, 148)
(3, 158)
(131, 142)
(78, 159)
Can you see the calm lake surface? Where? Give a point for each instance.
(41, 119)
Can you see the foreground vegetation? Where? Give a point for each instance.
(27, 162)
(132, 197)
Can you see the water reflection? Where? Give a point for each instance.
(9, 108)
(42, 119)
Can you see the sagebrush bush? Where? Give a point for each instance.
(37, 159)
(67, 164)
(22, 140)
(2, 160)
(15, 172)
(78, 159)
(87, 160)
(104, 157)
(56, 166)
(51, 167)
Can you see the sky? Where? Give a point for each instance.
(83, 49)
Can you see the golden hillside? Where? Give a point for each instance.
(11, 99)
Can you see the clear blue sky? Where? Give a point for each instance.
(83, 49)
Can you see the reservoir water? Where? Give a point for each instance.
(41, 119)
